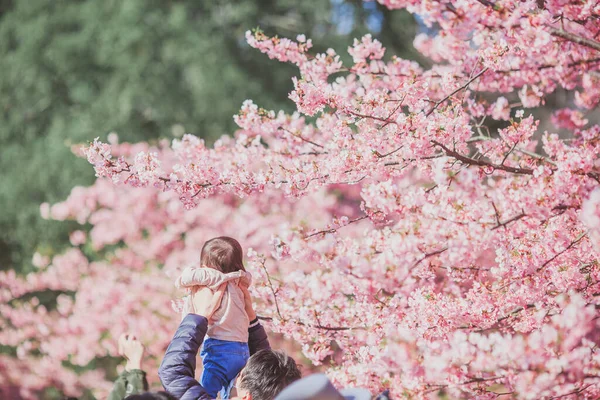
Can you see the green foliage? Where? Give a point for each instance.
(73, 70)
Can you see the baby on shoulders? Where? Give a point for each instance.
(225, 351)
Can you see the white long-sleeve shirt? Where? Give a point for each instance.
(230, 321)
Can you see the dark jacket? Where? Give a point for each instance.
(177, 369)
(129, 382)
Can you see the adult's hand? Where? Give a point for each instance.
(248, 303)
(132, 350)
(205, 302)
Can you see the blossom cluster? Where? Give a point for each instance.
(118, 278)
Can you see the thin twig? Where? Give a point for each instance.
(387, 121)
(573, 243)
(319, 326)
(431, 254)
(508, 153)
(272, 289)
(394, 111)
(389, 153)
(333, 230)
(437, 104)
(508, 221)
(577, 391)
(546, 66)
(299, 136)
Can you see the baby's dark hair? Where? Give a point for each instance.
(224, 254)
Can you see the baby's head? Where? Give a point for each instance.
(223, 254)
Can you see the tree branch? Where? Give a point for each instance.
(546, 66)
(498, 320)
(573, 243)
(386, 120)
(299, 136)
(577, 391)
(482, 163)
(319, 326)
(571, 37)
(508, 221)
(560, 33)
(436, 105)
(333, 230)
(427, 255)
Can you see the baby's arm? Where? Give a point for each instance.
(245, 279)
(200, 277)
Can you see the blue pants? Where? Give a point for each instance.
(222, 361)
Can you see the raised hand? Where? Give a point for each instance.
(205, 302)
(132, 349)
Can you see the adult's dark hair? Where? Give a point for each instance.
(151, 396)
(267, 373)
(224, 254)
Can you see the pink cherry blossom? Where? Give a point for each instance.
(403, 243)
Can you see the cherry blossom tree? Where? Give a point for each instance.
(119, 277)
(394, 234)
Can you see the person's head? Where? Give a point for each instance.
(151, 396)
(224, 254)
(266, 374)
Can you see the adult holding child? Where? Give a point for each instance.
(266, 372)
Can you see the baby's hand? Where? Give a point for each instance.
(243, 283)
(245, 279)
(131, 348)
